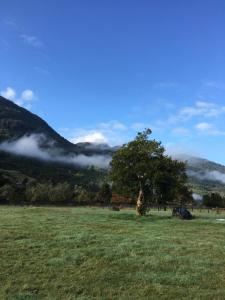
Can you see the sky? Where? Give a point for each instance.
(102, 70)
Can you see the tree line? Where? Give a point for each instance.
(139, 170)
(36, 193)
(213, 200)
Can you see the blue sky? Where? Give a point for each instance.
(102, 70)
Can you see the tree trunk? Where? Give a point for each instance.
(141, 205)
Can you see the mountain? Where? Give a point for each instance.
(16, 122)
(48, 156)
(63, 161)
(204, 176)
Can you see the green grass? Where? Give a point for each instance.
(94, 253)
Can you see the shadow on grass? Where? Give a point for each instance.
(140, 219)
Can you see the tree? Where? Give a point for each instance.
(169, 182)
(213, 200)
(12, 194)
(38, 193)
(104, 195)
(184, 196)
(81, 195)
(141, 168)
(60, 193)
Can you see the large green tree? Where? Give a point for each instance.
(140, 168)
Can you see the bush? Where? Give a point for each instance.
(83, 196)
(12, 194)
(61, 193)
(38, 193)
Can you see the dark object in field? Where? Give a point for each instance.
(115, 208)
(182, 212)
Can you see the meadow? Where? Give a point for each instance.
(94, 253)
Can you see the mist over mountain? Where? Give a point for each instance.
(28, 145)
(203, 175)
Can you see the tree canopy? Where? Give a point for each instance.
(141, 167)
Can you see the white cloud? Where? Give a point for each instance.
(25, 99)
(27, 146)
(30, 146)
(91, 137)
(201, 108)
(8, 93)
(203, 126)
(209, 129)
(32, 41)
(27, 95)
(197, 197)
(203, 104)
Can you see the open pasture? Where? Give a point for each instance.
(95, 253)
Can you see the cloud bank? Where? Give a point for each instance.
(91, 137)
(112, 133)
(30, 146)
(208, 175)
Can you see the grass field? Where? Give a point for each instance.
(94, 253)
